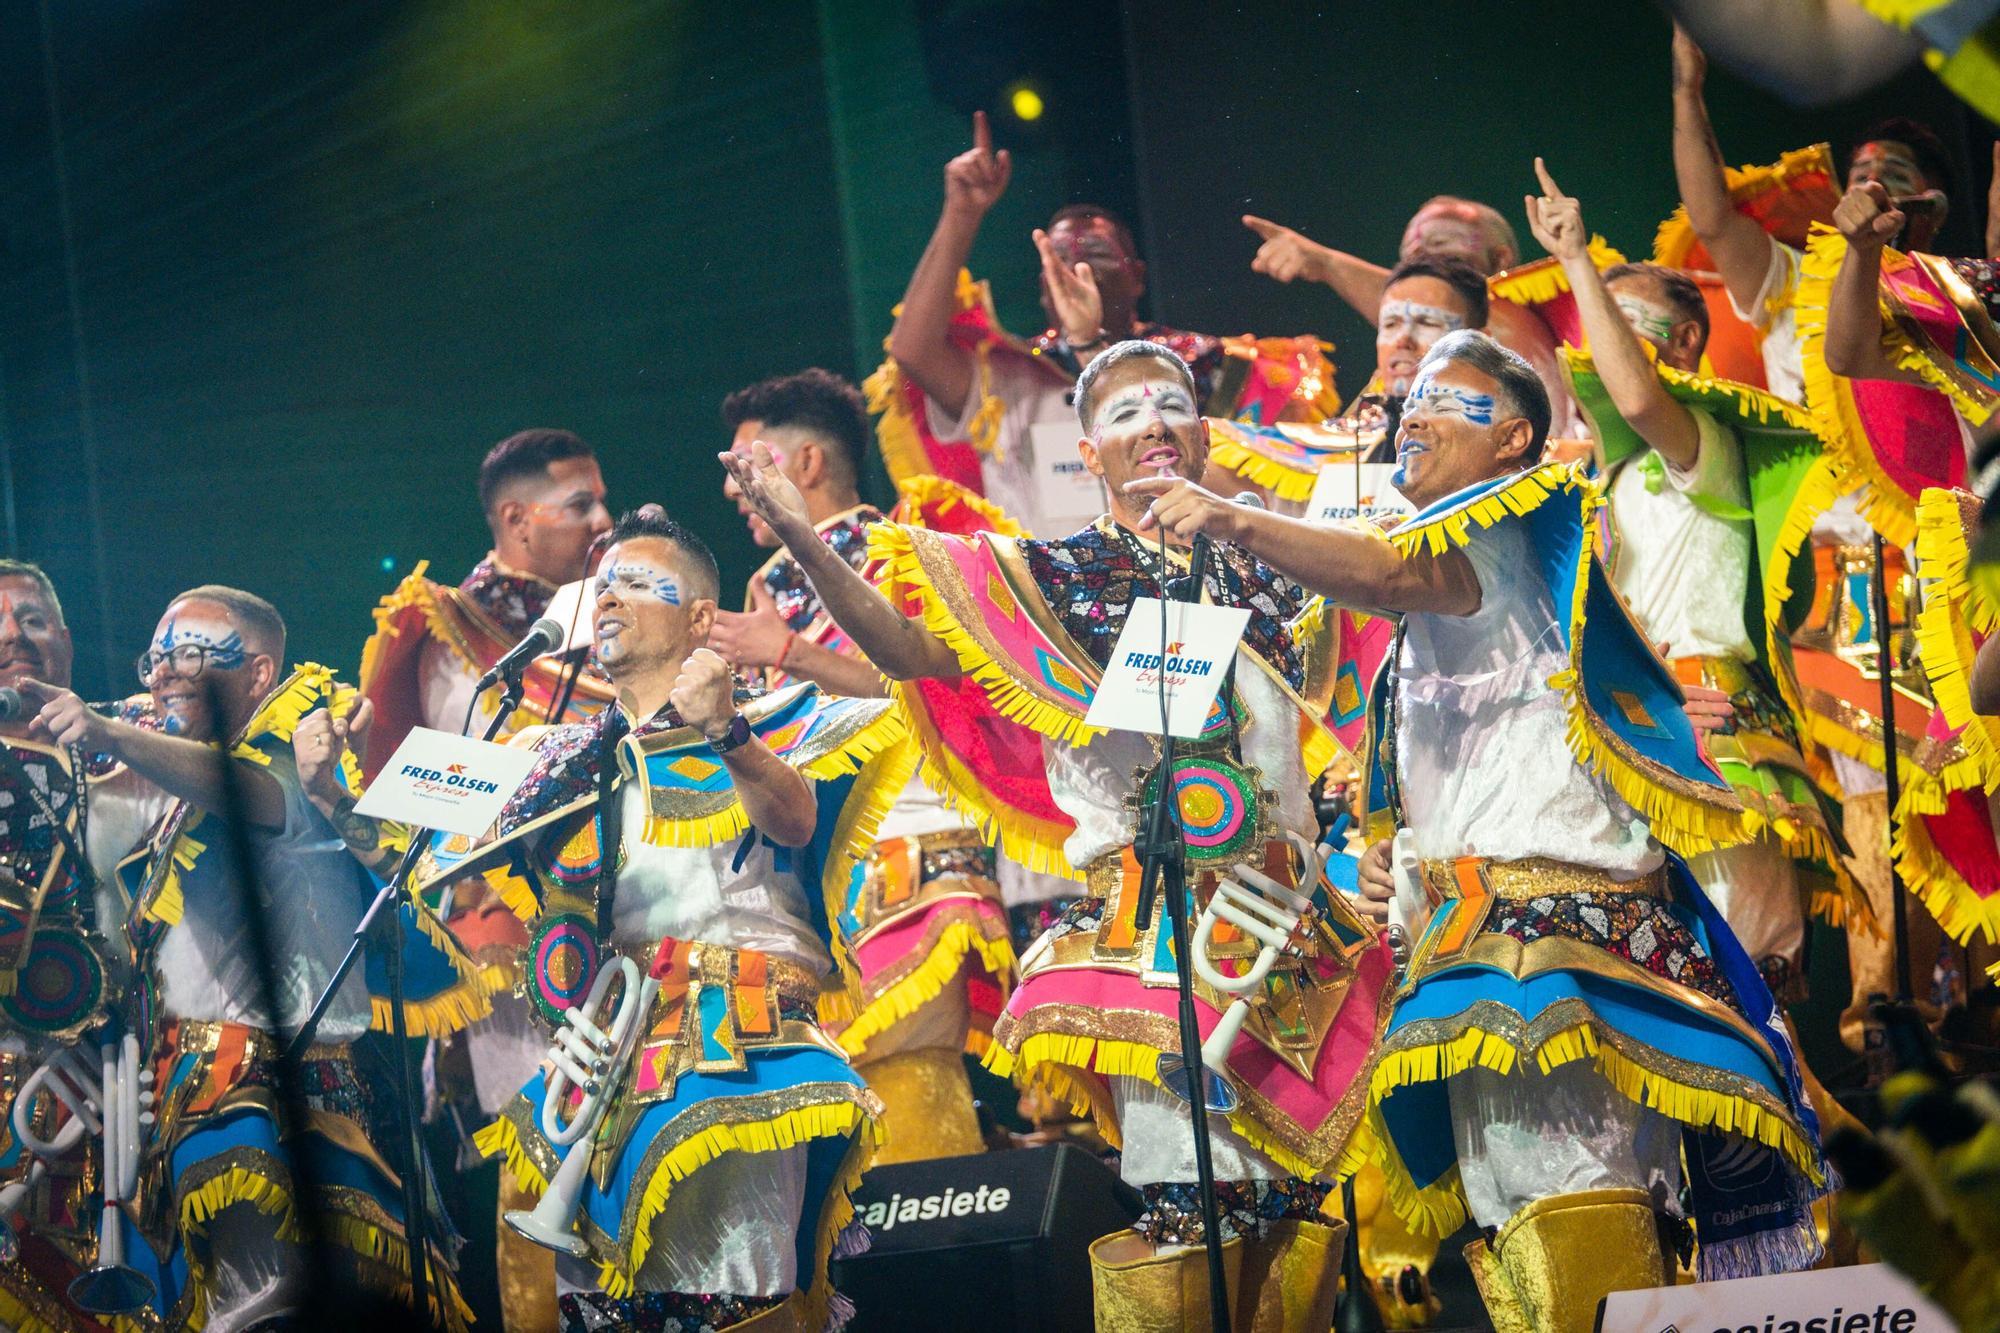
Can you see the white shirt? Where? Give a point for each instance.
(123, 808)
(918, 811)
(314, 895)
(1091, 783)
(1685, 572)
(1774, 314)
(713, 895)
(1482, 739)
(1032, 397)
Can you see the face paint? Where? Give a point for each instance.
(640, 578)
(1423, 323)
(1428, 396)
(188, 646)
(1135, 409)
(1889, 164)
(1651, 321)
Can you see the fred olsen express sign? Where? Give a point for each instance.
(451, 778)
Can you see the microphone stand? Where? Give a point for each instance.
(416, 1221)
(1162, 853)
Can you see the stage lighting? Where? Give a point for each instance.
(1025, 103)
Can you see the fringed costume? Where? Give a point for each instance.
(721, 1167)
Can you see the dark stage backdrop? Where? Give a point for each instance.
(272, 277)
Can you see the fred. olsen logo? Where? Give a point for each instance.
(445, 781)
(1179, 665)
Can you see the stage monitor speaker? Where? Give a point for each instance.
(991, 1242)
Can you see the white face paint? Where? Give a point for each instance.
(185, 648)
(1134, 408)
(1423, 323)
(1649, 319)
(634, 578)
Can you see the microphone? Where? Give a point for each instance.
(1187, 588)
(12, 706)
(544, 636)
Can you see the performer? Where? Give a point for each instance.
(962, 399)
(544, 503)
(1708, 577)
(218, 1009)
(1571, 974)
(728, 1142)
(923, 916)
(998, 643)
(61, 943)
(543, 498)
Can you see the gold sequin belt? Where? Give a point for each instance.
(195, 1036)
(1530, 877)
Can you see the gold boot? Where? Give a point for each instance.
(527, 1271)
(1564, 1253)
(1290, 1278)
(1136, 1289)
(1392, 1252)
(1496, 1293)
(928, 1105)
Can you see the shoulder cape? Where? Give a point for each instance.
(1026, 679)
(419, 611)
(1541, 287)
(1785, 198)
(1944, 836)
(1260, 379)
(443, 988)
(546, 852)
(1285, 457)
(1625, 708)
(1891, 439)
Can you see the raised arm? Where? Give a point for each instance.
(1738, 247)
(900, 648)
(775, 797)
(1635, 389)
(318, 743)
(1853, 305)
(1809, 52)
(760, 639)
(185, 769)
(1286, 254)
(1353, 567)
(920, 342)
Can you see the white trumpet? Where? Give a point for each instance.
(591, 1060)
(1409, 906)
(117, 1111)
(1267, 912)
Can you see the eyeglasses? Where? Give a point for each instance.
(188, 661)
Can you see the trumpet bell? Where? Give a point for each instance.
(557, 1233)
(1217, 1096)
(112, 1289)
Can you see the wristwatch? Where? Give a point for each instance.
(737, 736)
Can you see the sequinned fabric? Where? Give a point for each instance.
(1242, 1207)
(1026, 922)
(1983, 276)
(1091, 578)
(510, 600)
(787, 583)
(1640, 929)
(659, 1311)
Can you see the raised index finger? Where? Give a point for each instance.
(1262, 226)
(1549, 186)
(982, 133)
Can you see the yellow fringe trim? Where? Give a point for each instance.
(1287, 483)
(392, 1251)
(449, 1011)
(1475, 1048)
(1676, 238)
(1952, 613)
(1542, 280)
(18, 1318)
(1043, 1057)
(891, 546)
(930, 490)
(731, 821)
(516, 893)
(1943, 891)
(234, 1186)
(786, 1130)
(415, 590)
(168, 904)
(1815, 496)
(1036, 844)
(875, 793)
(939, 969)
(896, 431)
(1523, 495)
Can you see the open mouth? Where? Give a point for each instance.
(1164, 455)
(1407, 448)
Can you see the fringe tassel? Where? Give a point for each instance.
(240, 1185)
(1043, 1057)
(1542, 280)
(958, 941)
(875, 792)
(1676, 238)
(1523, 495)
(451, 1010)
(516, 893)
(929, 491)
(891, 545)
(501, 1137)
(1287, 483)
(168, 905)
(1885, 505)
(1954, 612)
(1960, 909)
(383, 1247)
(1815, 495)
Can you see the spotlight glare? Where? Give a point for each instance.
(1026, 104)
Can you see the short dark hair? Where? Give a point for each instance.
(1920, 139)
(1679, 289)
(1461, 277)
(27, 569)
(1084, 212)
(257, 618)
(1523, 388)
(655, 524)
(1128, 350)
(817, 401)
(526, 454)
